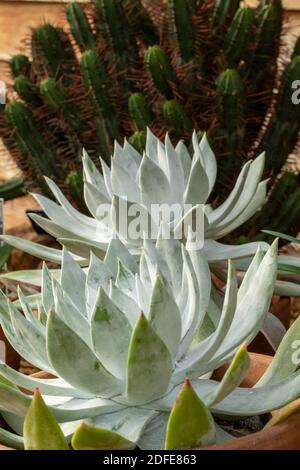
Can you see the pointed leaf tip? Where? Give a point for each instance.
(41, 430)
(190, 422)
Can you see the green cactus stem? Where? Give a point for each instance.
(138, 141)
(80, 27)
(52, 52)
(139, 111)
(27, 90)
(74, 183)
(230, 96)
(180, 28)
(20, 65)
(29, 139)
(237, 36)
(177, 118)
(160, 70)
(224, 12)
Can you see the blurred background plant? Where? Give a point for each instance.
(216, 66)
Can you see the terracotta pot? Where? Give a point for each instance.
(12, 358)
(283, 436)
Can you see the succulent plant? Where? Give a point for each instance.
(165, 177)
(137, 331)
(175, 65)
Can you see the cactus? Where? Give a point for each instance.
(139, 111)
(230, 96)
(80, 27)
(176, 117)
(237, 36)
(27, 90)
(176, 65)
(20, 65)
(138, 140)
(160, 70)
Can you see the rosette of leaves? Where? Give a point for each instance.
(174, 65)
(137, 330)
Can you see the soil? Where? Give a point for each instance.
(243, 427)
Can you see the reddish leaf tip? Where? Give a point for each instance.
(187, 383)
(37, 392)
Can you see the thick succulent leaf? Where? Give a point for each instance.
(127, 305)
(51, 227)
(106, 177)
(34, 249)
(92, 175)
(185, 159)
(247, 195)
(170, 251)
(47, 292)
(154, 259)
(241, 402)
(84, 248)
(190, 423)
(154, 184)
(250, 273)
(287, 289)
(218, 215)
(68, 312)
(254, 205)
(130, 158)
(199, 286)
(234, 375)
(11, 440)
(41, 430)
(23, 348)
(151, 146)
(32, 338)
(286, 359)
(86, 228)
(125, 281)
(110, 331)
(77, 216)
(98, 274)
(273, 330)
(164, 315)
(188, 304)
(175, 171)
(197, 188)
(78, 409)
(26, 308)
(195, 360)
(208, 161)
(30, 276)
(55, 387)
(33, 301)
(94, 198)
(149, 364)
(251, 310)
(12, 400)
(284, 413)
(154, 434)
(142, 295)
(123, 185)
(89, 437)
(72, 281)
(63, 347)
(117, 251)
(260, 400)
(123, 428)
(216, 252)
